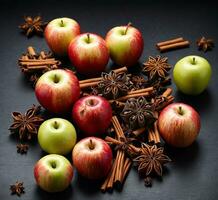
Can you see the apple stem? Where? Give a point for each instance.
(91, 145)
(127, 27)
(55, 125)
(193, 61)
(88, 37)
(180, 110)
(62, 23)
(56, 79)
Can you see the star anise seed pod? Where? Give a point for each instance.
(22, 148)
(33, 25)
(17, 188)
(138, 113)
(156, 67)
(151, 160)
(114, 84)
(26, 124)
(205, 44)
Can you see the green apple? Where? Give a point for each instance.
(192, 74)
(53, 173)
(57, 136)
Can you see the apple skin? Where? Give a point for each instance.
(53, 173)
(125, 49)
(59, 33)
(92, 114)
(92, 158)
(179, 129)
(192, 77)
(89, 54)
(57, 136)
(57, 90)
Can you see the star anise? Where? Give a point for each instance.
(151, 160)
(33, 25)
(26, 124)
(205, 44)
(138, 113)
(22, 148)
(17, 188)
(139, 82)
(148, 181)
(125, 143)
(156, 67)
(113, 85)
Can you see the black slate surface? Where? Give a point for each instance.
(194, 172)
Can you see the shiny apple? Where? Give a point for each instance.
(89, 54)
(57, 136)
(57, 90)
(92, 158)
(192, 74)
(179, 124)
(92, 114)
(59, 33)
(125, 44)
(53, 173)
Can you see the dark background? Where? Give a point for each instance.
(194, 172)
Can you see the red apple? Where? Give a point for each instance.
(179, 124)
(89, 54)
(57, 90)
(92, 158)
(53, 173)
(92, 114)
(59, 33)
(125, 44)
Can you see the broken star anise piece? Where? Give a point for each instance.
(22, 148)
(151, 160)
(26, 124)
(138, 113)
(17, 188)
(205, 44)
(114, 85)
(156, 67)
(139, 82)
(33, 25)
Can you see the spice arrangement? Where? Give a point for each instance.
(122, 119)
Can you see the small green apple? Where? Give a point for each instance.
(57, 136)
(192, 74)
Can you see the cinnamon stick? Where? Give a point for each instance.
(174, 46)
(172, 41)
(139, 131)
(149, 89)
(85, 85)
(124, 98)
(31, 51)
(167, 92)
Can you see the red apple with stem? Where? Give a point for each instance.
(92, 158)
(92, 114)
(179, 124)
(125, 44)
(89, 54)
(59, 33)
(57, 90)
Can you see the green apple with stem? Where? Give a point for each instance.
(53, 173)
(192, 74)
(57, 136)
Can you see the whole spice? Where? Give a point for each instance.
(22, 148)
(151, 160)
(176, 43)
(33, 65)
(156, 67)
(205, 44)
(26, 124)
(33, 25)
(138, 113)
(114, 85)
(17, 188)
(139, 82)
